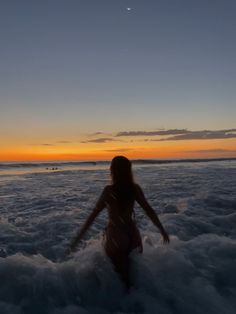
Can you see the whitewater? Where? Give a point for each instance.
(42, 205)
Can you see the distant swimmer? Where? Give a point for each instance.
(121, 234)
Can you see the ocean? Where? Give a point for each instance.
(42, 205)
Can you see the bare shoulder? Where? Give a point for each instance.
(102, 198)
(107, 190)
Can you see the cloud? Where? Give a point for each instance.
(42, 144)
(96, 133)
(152, 133)
(182, 134)
(165, 135)
(64, 142)
(100, 140)
(203, 135)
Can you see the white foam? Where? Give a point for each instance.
(194, 274)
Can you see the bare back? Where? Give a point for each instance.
(117, 215)
(123, 216)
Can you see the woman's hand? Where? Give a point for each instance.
(166, 238)
(72, 247)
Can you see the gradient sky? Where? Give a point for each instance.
(72, 68)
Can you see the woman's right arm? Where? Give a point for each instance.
(140, 198)
(98, 208)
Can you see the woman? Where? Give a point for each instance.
(121, 235)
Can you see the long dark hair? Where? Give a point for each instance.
(122, 179)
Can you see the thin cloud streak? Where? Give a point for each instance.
(203, 135)
(99, 133)
(42, 144)
(182, 134)
(96, 133)
(100, 140)
(64, 142)
(152, 133)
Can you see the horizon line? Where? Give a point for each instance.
(131, 159)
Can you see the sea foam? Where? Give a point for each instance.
(195, 273)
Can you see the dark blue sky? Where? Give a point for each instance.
(94, 65)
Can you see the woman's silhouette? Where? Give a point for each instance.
(121, 235)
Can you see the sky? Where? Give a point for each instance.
(90, 79)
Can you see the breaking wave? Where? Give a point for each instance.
(195, 273)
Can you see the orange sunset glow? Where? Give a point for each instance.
(105, 151)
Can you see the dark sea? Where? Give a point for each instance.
(42, 205)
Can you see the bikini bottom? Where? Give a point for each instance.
(121, 240)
